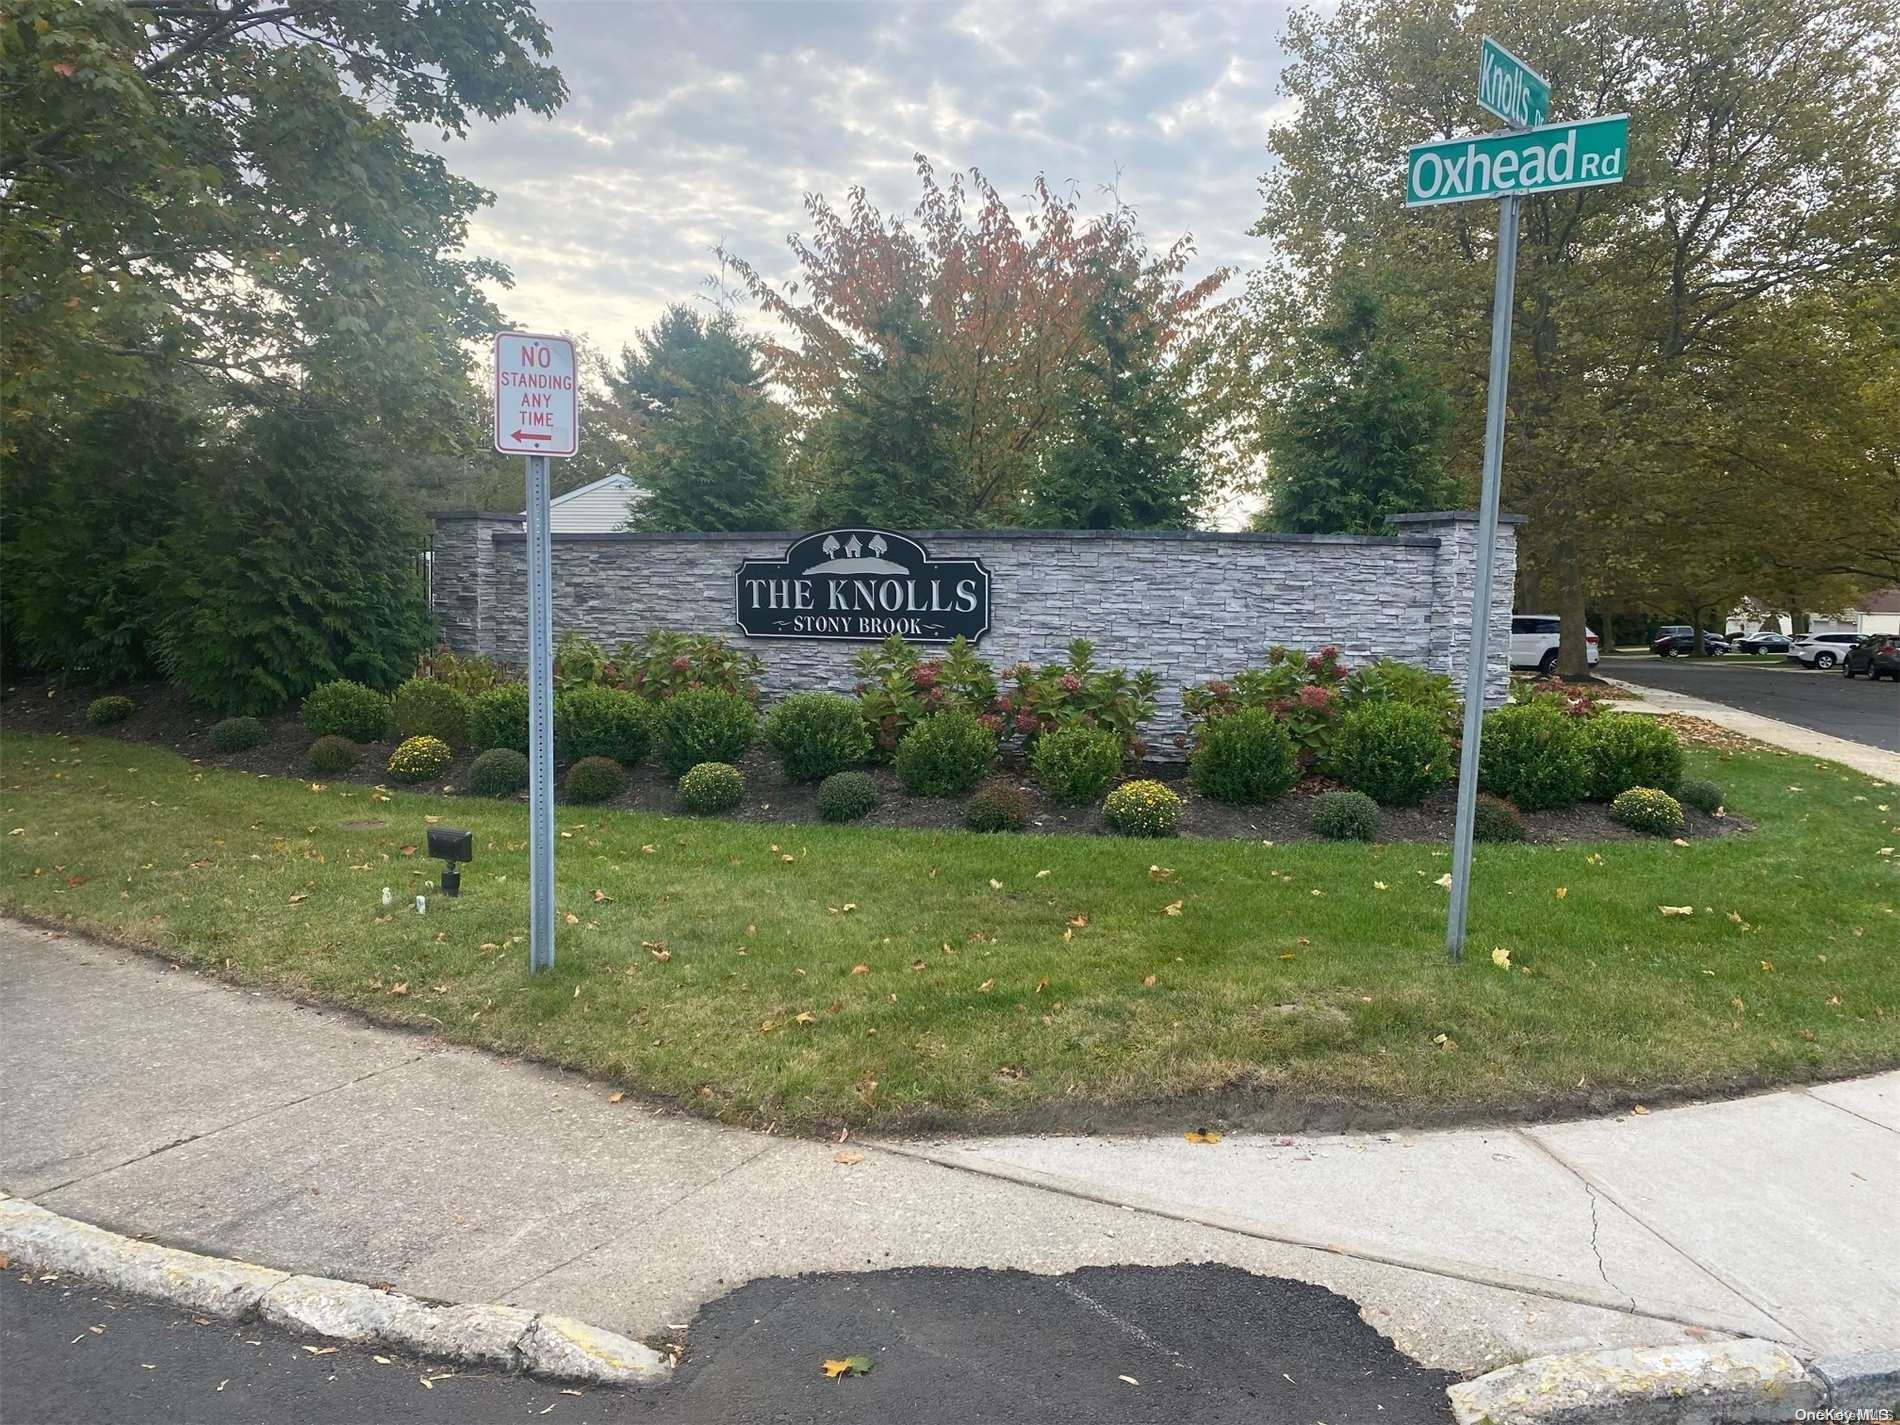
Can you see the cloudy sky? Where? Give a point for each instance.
(693, 124)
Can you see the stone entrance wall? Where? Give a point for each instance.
(1190, 605)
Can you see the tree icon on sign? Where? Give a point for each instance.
(878, 546)
(830, 546)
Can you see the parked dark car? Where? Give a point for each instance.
(1877, 655)
(1677, 639)
(1763, 642)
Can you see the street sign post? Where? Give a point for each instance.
(537, 415)
(1510, 88)
(1535, 158)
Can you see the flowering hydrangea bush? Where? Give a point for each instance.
(1077, 692)
(1304, 690)
(898, 688)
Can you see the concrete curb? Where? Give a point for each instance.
(1725, 1383)
(504, 1338)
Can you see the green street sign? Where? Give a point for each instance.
(1510, 88)
(1578, 155)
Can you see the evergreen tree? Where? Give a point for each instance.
(1361, 434)
(886, 453)
(709, 443)
(1122, 459)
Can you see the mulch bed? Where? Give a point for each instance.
(164, 717)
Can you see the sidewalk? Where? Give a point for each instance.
(1873, 761)
(152, 1100)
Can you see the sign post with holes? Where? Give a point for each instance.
(537, 415)
(1532, 157)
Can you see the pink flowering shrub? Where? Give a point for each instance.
(1077, 692)
(898, 688)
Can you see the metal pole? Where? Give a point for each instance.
(1503, 298)
(540, 722)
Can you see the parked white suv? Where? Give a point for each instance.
(1822, 650)
(1534, 639)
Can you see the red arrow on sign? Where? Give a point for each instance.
(530, 435)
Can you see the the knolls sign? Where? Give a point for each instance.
(862, 584)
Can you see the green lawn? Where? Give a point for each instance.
(813, 976)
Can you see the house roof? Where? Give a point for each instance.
(1882, 601)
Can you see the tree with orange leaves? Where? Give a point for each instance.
(1010, 313)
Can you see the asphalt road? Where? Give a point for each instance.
(1824, 702)
(1188, 1345)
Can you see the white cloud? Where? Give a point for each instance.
(692, 125)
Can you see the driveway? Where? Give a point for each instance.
(1822, 702)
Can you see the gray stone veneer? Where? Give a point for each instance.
(1190, 605)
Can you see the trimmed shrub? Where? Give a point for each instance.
(816, 734)
(1534, 755)
(594, 779)
(702, 725)
(1243, 757)
(424, 708)
(846, 796)
(498, 772)
(331, 755)
(1076, 764)
(499, 718)
(1698, 792)
(1142, 808)
(592, 721)
(1649, 809)
(1396, 753)
(237, 734)
(103, 712)
(999, 805)
(420, 759)
(1494, 819)
(945, 755)
(1345, 816)
(1630, 750)
(345, 709)
(712, 787)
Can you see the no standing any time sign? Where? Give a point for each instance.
(537, 399)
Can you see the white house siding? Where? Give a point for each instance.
(598, 510)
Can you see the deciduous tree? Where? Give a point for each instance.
(1010, 306)
(1762, 170)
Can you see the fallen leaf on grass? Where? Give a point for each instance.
(995, 884)
(600, 897)
(986, 987)
(1198, 1135)
(321, 1350)
(1444, 880)
(804, 1016)
(1501, 958)
(401, 987)
(1076, 922)
(1445, 1043)
(860, 969)
(616, 1096)
(1561, 892)
(1380, 886)
(1160, 873)
(1041, 874)
(573, 919)
(1172, 908)
(1675, 912)
(1148, 982)
(849, 1366)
